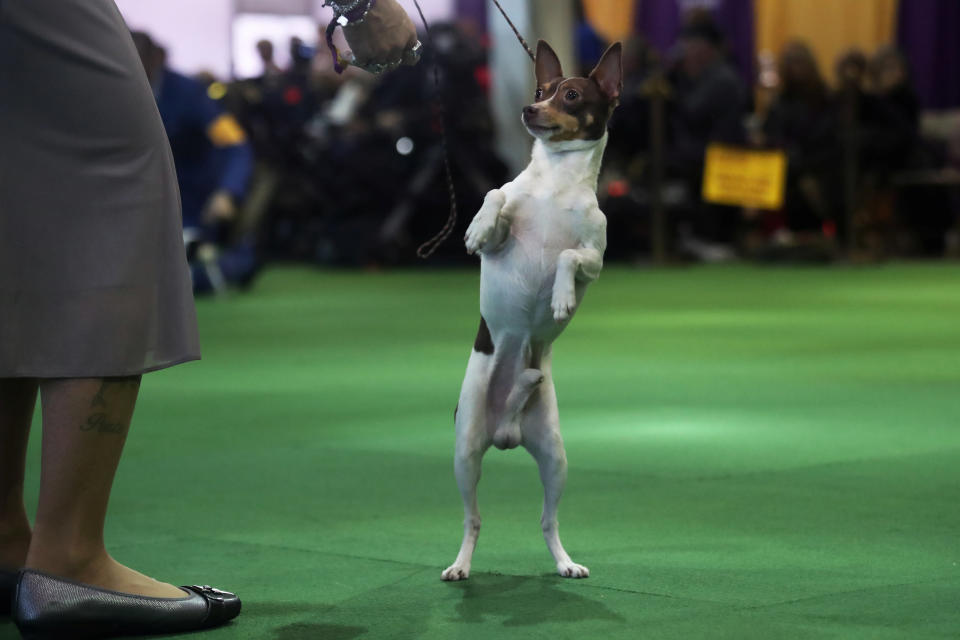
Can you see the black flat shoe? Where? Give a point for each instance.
(8, 580)
(46, 607)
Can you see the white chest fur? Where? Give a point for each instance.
(549, 209)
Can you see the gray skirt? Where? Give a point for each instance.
(93, 276)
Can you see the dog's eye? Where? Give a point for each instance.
(572, 95)
(538, 94)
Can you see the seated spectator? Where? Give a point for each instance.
(851, 71)
(877, 114)
(627, 171)
(897, 106)
(890, 77)
(802, 123)
(630, 123)
(875, 102)
(708, 107)
(709, 99)
(922, 207)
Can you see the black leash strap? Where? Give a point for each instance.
(427, 248)
(516, 32)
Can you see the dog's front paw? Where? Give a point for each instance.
(563, 304)
(478, 234)
(572, 570)
(455, 572)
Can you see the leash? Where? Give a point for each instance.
(516, 32)
(427, 249)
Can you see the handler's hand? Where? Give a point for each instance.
(384, 40)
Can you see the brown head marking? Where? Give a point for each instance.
(573, 108)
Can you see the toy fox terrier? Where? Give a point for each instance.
(541, 240)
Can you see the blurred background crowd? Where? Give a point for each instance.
(282, 159)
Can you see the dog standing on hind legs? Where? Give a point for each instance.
(541, 240)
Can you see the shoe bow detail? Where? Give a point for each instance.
(211, 593)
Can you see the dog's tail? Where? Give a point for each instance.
(507, 434)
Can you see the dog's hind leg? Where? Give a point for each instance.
(467, 468)
(541, 437)
(472, 442)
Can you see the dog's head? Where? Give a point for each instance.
(568, 109)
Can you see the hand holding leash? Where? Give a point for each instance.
(380, 33)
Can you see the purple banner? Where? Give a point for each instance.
(929, 34)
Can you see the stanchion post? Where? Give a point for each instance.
(657, 89)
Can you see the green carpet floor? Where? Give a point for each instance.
(754, 453)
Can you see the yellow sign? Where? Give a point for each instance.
(744, 177)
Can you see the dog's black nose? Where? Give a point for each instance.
(529, 110)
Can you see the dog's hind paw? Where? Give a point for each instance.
(573, 570)
(455, 572)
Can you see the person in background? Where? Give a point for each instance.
(630, 123)
(265, 50)
(710, 97)
(627, 160)
(851, 71)
(890, 78)
(802, 122)
(214, 163)
(877, 116)
(210, 148)
(925, 211)
(876, 95)
(708, 107)
(898, 106)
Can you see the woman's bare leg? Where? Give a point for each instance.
(18, 397)
(85, 423)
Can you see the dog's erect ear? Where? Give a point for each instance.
(608, 72)
(548, 64)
